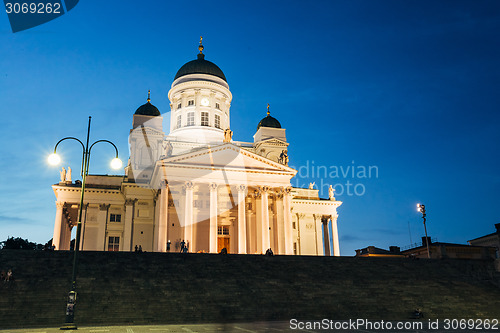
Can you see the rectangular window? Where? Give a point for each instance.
(190, 120)
(295, 248)
(217, 106)
(179, 119)
(217, 121)
(179, 106)
(115, 217)
(204, 119)
(293, 225)
(223, 230)
(191, 102)
(198, 203)
(114, 244)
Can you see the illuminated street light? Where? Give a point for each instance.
(421, 209)
(116, 163)
(54, 159)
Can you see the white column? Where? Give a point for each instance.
(65, 240)
(156, 222)
(188, 216)
(56, 238)
(326, 236)
(102, 216)
(84, 225)
(242, 225)
(266, 241)
(127, 232)
(336, 247)
(163, 222)
(213, 219)
(287, 214)
(280, 224)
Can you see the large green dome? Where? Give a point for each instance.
(200, 66)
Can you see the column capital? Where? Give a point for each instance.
(103, 206)
(188, 184)
(300, 215)
(325, 218)
(213, 186)
(60, 204)
(129, 202)
(263, 189)
(242, 188)
(163, 184)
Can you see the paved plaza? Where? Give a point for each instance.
(257, 327)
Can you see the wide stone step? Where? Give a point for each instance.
(121, 288)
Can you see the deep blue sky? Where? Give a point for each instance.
(411, 87)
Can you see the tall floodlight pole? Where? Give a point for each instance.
(54, 159)
(421, 209)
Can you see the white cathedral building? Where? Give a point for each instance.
(196, 186)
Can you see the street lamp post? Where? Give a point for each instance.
(421, 209)
(55, 159)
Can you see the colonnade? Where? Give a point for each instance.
(284, 244)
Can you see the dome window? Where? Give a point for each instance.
(217, 106)
(217, 121)
(204, 119)
(191, 102)
(179, 120)
(179, 106)
(190, 119)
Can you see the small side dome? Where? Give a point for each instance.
(148, 109)
(269, 121)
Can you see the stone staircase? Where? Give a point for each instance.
(144, 288)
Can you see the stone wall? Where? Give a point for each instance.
(143, 288)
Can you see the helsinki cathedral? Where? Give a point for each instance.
(196, 187)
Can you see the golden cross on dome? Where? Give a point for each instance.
(149, 96)
(201, 45)
(268, 113)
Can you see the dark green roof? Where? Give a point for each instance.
(269, 122)
(148, 109)
(200, 66)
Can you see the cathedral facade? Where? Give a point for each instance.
(198, 188)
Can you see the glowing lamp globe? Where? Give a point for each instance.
(116, 163)
(54, 159)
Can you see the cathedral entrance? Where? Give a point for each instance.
(223, 239)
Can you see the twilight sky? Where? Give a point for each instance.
(409, 88)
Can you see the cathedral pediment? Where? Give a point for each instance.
(273, 142)
(227, 156)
